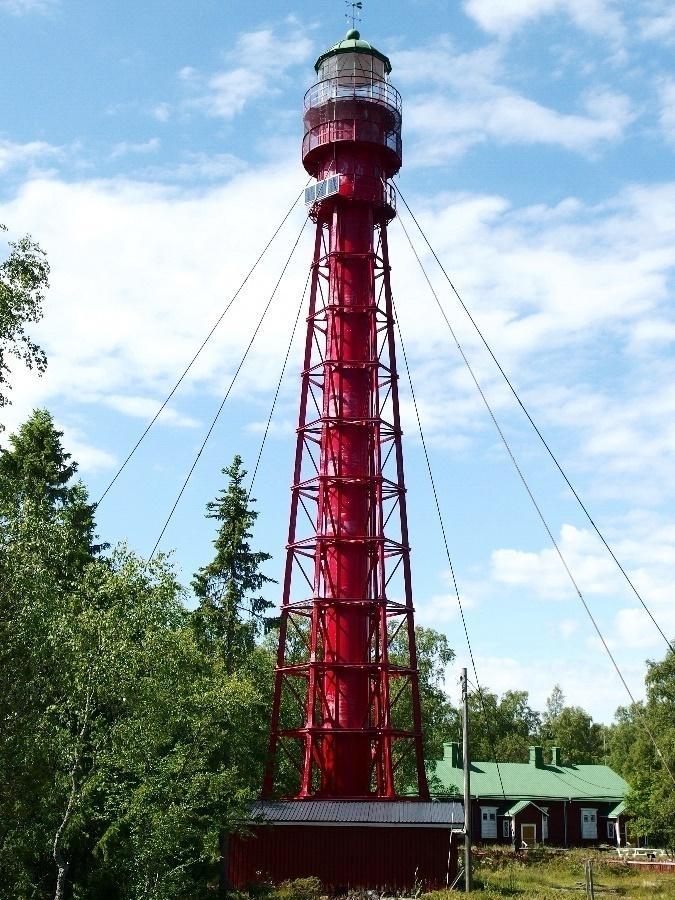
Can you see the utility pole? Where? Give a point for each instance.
(466, 761)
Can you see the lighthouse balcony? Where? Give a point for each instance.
(356, 87)
(352, 109)
(377, 135)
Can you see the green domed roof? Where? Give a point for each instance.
(352, 43)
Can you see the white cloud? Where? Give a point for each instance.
(503, 17)
(567, 628)
(540, 673)
(658, 24)
(126, 148)
(90, 459)
(440, 610)
(196, 167)
(146, 408)
(464, 99)
(260, 58)
(139, 273)
(162, 112)
(24, 7)
(645, 550)
(543, 282)
(667, 112)
(444, 128)
(543, 574)
(14, 155)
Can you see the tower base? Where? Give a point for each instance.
(374, 845)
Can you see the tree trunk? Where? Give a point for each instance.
(62, 864)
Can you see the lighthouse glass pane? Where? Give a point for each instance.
(359, 68)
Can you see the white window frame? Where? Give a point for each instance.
(488, 817)
(611, 830)
(544, 823)
(506, 828)
(589, 833)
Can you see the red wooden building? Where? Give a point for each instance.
(538, 803)
(350, 844)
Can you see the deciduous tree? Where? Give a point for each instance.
(24, 279)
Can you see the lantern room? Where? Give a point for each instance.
(354, 59)
(352, 118)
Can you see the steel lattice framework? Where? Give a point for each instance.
(346, 712)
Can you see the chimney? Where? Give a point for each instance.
(452, 753)
(556, 756)
(537, 757)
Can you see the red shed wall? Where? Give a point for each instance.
(345, 856)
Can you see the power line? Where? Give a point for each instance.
(432, 481)
(199, 350)
(535, 503)
(531, 420)
(227, 393)
(276, 393)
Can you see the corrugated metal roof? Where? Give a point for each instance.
(364, 812)
(617, 810)
(523, 781)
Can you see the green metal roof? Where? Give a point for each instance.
(515, 808)
(524, 781)
(617, 810)
(352, 43)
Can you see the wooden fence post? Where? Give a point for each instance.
(588, 878)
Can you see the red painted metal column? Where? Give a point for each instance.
(345, 468)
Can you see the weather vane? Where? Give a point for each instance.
(353, 11)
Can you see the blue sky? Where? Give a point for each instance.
(152, 148)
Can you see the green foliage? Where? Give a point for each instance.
(434, 655)
(134, 731)
(230, 616)
(573, 730)
(299, 889)
(128, 747)
(36, 477)
(24, 278)
(502, 728)
(651, 800)
(556, 874)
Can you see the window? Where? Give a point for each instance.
(488, 821)
(544, 823)
(589, 824)
(611, 834)
(506, 828)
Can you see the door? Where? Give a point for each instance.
(488, 822)
(528, 835)
(589, 824)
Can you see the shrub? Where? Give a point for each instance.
(299, 889)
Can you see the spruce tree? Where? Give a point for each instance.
(231, 613)
(37, 473)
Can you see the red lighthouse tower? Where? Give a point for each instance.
(346, 741)
(346, 719)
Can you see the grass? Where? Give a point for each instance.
(553, 875)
